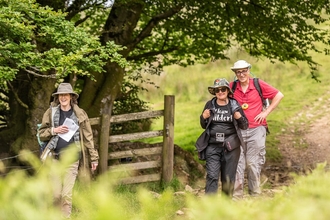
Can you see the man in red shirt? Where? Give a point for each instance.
(253, 155)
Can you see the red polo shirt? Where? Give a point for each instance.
(252, 98)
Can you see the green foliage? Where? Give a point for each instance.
(190, 32)
(27, 197)
(37, 39)
(30, 197)
(39, 43)
(307, 199)
(129, 102)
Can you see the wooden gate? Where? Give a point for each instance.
(166, 151)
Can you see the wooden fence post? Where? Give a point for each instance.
(168, 139)
(104, 136)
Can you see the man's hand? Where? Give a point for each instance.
(261, 117)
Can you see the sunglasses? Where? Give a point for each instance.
(223, 89)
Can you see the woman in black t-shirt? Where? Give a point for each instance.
(223, 150)
(61, 137)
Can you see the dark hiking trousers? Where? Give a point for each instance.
(219, 161)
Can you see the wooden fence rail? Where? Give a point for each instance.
(166, 151)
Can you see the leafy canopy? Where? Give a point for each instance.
(190, 31)
(39, 40)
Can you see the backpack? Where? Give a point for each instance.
(265, 102)
(42, 144)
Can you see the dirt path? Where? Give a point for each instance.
(313, 146)
(303, 145)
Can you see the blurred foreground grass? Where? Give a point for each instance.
(24, 197)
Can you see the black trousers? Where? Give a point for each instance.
(220, 161)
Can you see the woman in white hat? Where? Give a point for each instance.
(224, 116)
(65, 106)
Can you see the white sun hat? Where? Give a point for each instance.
(240, 64)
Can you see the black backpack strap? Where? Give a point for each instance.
(233, 87)
(264, 102)
(257, 85)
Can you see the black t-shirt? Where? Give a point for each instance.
(62, 144)
(222, 124)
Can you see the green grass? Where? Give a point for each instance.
(189, 86)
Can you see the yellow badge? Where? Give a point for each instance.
(245, 106)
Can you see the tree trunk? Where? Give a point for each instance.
(98, 96)
(35, 92)
(110, 82)
(34, 98)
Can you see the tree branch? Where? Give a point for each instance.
(17, 98)
(76, 7)
(151, 53)
(152, 23)
(77, 23)
(53, 76)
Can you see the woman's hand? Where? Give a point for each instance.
(94, 165)
(237, 115)
(61, 129)
(206, 113)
